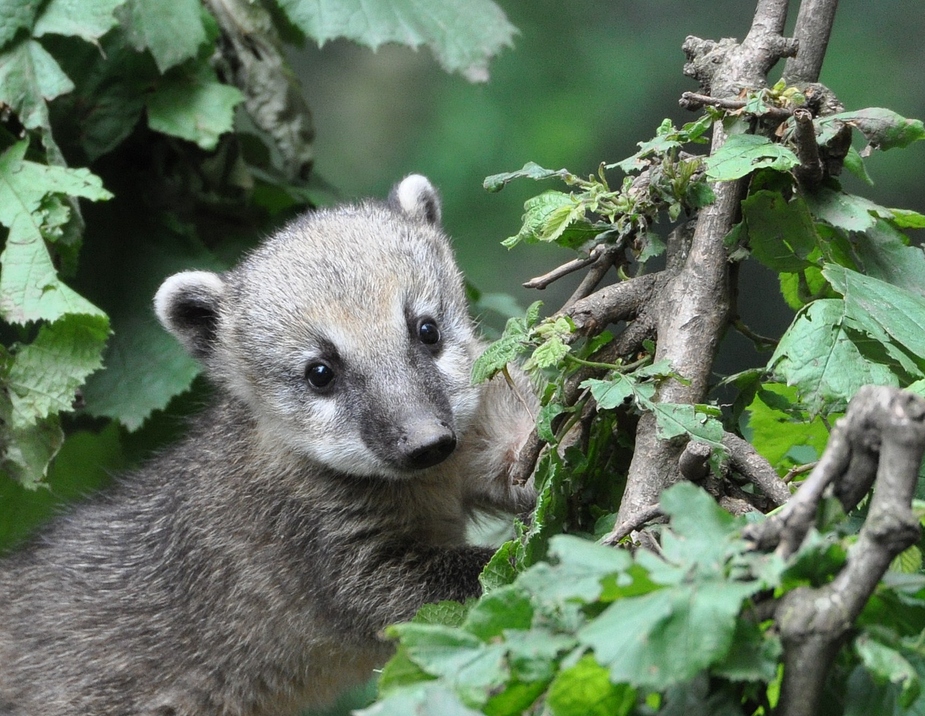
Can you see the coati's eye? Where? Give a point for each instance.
(319, 375)
(428, 333)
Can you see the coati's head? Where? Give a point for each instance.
(347, 334)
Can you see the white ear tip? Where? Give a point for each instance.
(417, 197)
(181, 284)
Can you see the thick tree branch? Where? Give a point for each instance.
(882, 438)
(812, 30)
(693, 313)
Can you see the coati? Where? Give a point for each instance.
(323, 495)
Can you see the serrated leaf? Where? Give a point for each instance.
(883, 128)
(774, 432)
(818, 357)
(744, 153)
(462, 36)
(548, 353)
(472, 668)
(543, 216)
(27, 451)
(754, 655)
(400, 671)
(885, 254)
(531, 170)
(889, 665)
(781, 234)
(877, 306)
(585, 689)
(46, 373)
(145, 366)
(447, 613)
(16, 15)
(909, 561)
(611, 393)
(505, 608)
(500, 570)
(172, 32)
(29, 77)
(29, 286)
(432, 699)
(673, 419)
(88, 20)
(193, 105)
(667, 636)
(846, 211)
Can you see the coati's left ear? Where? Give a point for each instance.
(187, 305)
(415, 196)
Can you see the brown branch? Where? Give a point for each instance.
(745, 460)
(695, 100)
(812, 30)
(694, 463)
(618, 302)
(632, 523)
(887, 427)
(607, 258)
(810, 170)
(541, 282)
(694, 309)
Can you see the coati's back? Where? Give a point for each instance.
(324, 495)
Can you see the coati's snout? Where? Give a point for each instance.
(427, 444)
(414, 443)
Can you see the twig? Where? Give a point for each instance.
(810, 171)
(618, 302)
(608, 256)
(799, 470)
(541, 282)
(761, 342)
(632, 523)
(745, 460)
(694, 463)
(695, 100)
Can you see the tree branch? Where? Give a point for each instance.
(812, 31)
(885, 427)
(694, 311)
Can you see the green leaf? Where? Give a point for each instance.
(546, 218)
(667, 636)
(29, 286)
(145, 365)
(846, 211)
(473, 669)
(889, 665)
(775, 433)
(28, 77)
(780, 233)
(531, 170)
(172, 31)
(883, 128)
(16, 15)
(27, 451)
(500, 570)
(817, 355)
(447, 613)
(193, 105)
(504, 608)
(462, 36)
(877, 306)
(400, 671)
(754, 655)
(674, 419)
(89, 20)
(744, 153)
(46, 373)
(432, 699)
(611, 393)
(579, 573)
(885, 254)
(585, 690)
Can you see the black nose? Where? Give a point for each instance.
(428, 445)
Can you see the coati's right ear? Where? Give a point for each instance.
(187, 305)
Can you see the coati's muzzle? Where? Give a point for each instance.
(412, 443)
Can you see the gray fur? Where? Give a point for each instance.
(250, 570)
